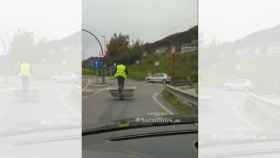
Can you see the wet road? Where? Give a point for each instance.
(101, 108)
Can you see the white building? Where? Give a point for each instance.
(161, 50)
(189, 47)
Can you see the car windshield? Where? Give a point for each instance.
(126, 74)
(158, 75)
(105, 102)
(102, 106)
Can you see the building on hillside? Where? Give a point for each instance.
(272, 50)
(190, 47)
(145, 53)
(161, 50)
(259, 50)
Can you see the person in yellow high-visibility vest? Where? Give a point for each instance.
(25, 74)
(121, 74)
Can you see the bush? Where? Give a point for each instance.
(86, 71)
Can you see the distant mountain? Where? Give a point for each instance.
(264, 42)
(260, 38)
(261, 43)
(73, 40)
(177, 40)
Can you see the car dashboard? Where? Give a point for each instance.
(178, 141)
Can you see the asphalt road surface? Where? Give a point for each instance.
(101, 108)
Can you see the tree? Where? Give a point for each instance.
(122, 50)
(118, 47)
(135, 52)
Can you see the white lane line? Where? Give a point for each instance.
(155, 95)
(87, 82)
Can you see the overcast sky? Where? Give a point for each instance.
(147, 20)
(229, 20)
(50, 19)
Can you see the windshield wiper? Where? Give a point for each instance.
(154, 134)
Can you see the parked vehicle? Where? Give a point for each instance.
(158, 77)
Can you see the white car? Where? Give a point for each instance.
(239, 84)
(158, 77)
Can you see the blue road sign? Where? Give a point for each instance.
(98, 64)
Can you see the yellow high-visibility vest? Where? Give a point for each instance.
(120, 71)
(25, 69)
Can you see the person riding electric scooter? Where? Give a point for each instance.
(25, 75)
(121, 74)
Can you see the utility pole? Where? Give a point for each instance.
(104, 42)
(173, 61)
(103, 61)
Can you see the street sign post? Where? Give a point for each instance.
(98, 64)
(102, 51)
(173, 51)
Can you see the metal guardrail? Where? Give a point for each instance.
(180, 83)
(183, 96)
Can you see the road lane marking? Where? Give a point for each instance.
(155, 95)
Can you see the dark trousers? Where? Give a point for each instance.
(25, 83)
(120, 84)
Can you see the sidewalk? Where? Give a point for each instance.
(92, 84)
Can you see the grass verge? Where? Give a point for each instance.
(176, 104)
(86, 71)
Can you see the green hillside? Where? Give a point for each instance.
(185, 66)
(177, 40)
